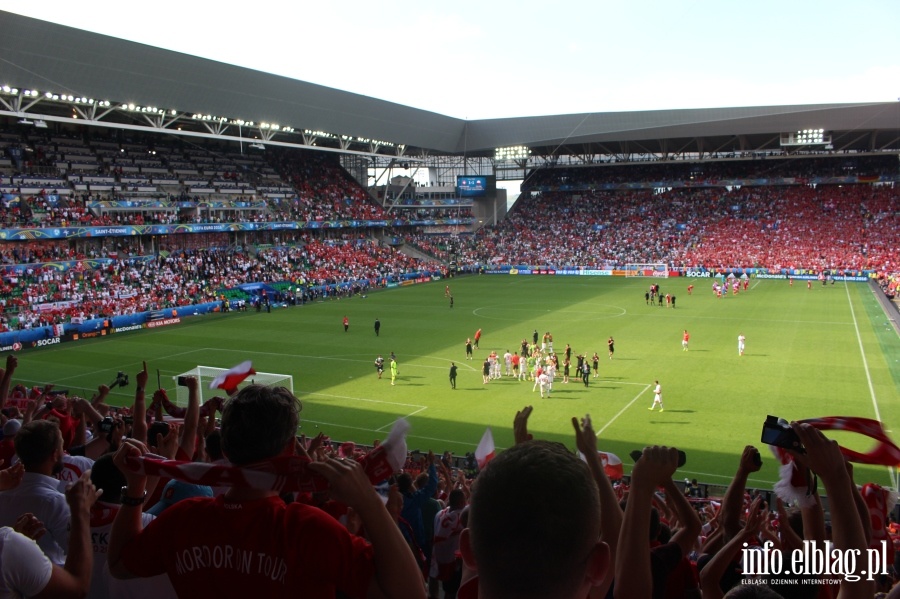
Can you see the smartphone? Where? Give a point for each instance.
(182, 381)
(776, 431)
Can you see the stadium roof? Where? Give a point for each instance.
(42, 56)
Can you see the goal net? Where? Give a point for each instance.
(206, 374)
(646, 270)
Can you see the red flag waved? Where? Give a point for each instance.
(231, 378)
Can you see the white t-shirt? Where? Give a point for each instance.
(24, 569)
(73, 467)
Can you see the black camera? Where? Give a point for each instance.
(106, 425)
(182, 381)
(776, 431)
(121, 380)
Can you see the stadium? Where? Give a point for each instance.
(165, 210)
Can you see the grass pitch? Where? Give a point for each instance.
(825, 351)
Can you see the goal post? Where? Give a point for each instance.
(206, 374)
(647, 270)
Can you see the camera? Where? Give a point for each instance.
(776, 431)
(106, 425)
(182, 381)
(121, 380)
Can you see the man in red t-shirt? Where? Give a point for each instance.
(248, 542)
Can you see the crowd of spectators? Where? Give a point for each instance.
(849, 227)
(45, 295)
(537, 520)
(834, 227)
(853, 227)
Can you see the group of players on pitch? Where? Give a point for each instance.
(538, 363)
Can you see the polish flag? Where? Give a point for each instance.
(485, 451)
(612, 465)
(231, 378)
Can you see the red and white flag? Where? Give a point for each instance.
(794, 481)
(612, 465)
(485, 451)
(231, 378)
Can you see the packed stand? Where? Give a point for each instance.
(186, 276)
(853, 227)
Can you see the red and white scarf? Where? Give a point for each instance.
(793, 483)
(282, 474)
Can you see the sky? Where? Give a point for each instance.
(493, 59)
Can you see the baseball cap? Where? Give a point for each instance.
(175, 491)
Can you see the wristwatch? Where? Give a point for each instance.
(133, 501)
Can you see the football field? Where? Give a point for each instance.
(825, 351)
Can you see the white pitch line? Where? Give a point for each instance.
(862, 352)
(725, 476)
(620, 412)
(393, 403)
(381, 429)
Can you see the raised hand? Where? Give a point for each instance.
(520, 425)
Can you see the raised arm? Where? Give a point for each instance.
(139, 412)
(396, 572)
(12, 362)
(686, 537)
(100, 398)
(610, 512)
(714, 570)
(74, 579)
(733, 502)
(824, 458)
(128, 523)
(191, 418)
(653, 468)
